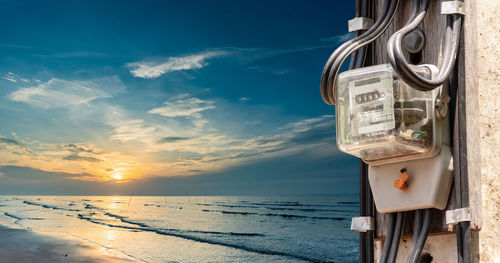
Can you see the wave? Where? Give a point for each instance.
(348, 203)
(260, 204)
(271, 214)
(230, 212)
(182, 234)
(13, 216)
(280, 208)
(50, 206)
(125, 220)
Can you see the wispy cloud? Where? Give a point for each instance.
(10, 77)
(270, 70)
(81, 152)
(301, 136)
(338, 38)
(15, 147)
(14, 46)
(132, 130)
(60, 93)
(73, 54)
(242, 99)
(155, 68)
(170, 139)
(182, 106)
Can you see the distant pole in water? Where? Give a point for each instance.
(130, 199)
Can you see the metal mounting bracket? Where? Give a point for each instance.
(359, 23)
(452, 7)
(457, 215)
(362, 224)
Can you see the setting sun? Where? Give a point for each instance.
(117, 176)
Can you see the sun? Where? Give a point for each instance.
(117, 176)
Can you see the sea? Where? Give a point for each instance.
(197, 228)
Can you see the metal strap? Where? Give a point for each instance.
(362, 224)
(359, 23)
(458, 215)
(452, 7)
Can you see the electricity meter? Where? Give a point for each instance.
(382, 120)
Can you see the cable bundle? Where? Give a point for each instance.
(337, 58)
(404, 70)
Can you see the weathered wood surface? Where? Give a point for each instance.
(482, 81)
(442, 247)
(433, 27)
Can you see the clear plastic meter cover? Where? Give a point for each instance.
(378, 116)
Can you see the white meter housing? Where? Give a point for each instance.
(383, 120)
(397, 130)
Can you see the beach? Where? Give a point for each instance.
(21, 245)
(177, 229)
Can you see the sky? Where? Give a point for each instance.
(169, 98)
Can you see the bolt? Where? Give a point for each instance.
(414, 41)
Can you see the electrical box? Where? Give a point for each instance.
(400, 132)
(429, 183)
(382, 120)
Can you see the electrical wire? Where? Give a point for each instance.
(419, 241)
(405, 70)
(397, 236)
(337, 58)
(388, 238)
(418, 223)
(460, 176)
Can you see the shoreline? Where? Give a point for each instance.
(24, 246)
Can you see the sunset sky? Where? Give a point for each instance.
(169, 97)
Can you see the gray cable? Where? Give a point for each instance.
(418, 243)
(397, 236)
(405, 70)
(336, 59)
(418, 223)
(388, 238)
(339, 60)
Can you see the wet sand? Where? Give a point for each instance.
(20, 246)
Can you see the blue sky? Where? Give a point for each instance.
(169, 97)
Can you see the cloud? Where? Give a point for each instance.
(338, 38)
(76, 157)
(15, 147)
(307, 123)
(172, 139)
(308, 135)
(131, 130)
(153, 69)
(270, 70)
(74, 54)
(81, 147)
(244, 99)
(182, 106)
(62, 93)
(76, 150)
(15, 46)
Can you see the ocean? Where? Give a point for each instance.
(197, 228)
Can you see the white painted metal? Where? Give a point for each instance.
(362, 224)
(429, 184)
(452, 7)
(359, 23)
(457, 215)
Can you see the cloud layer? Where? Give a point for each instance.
(154, 68)
(183, 105)
(61, 93)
